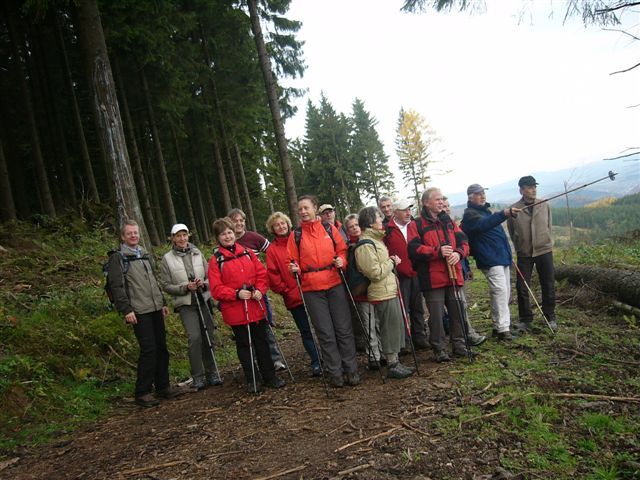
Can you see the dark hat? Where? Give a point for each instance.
(475, 188)
(528, 181)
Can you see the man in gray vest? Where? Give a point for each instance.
(137, 296)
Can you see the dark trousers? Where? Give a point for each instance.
(331, 318)
(410, 288)
(436, 300)
(260, 347)
(544, 267)
(153, 362)
(302, 322)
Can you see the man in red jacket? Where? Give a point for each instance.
(440, 244)
(401, 229)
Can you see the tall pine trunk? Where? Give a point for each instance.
(164, 179)
(234, 183)
(245, 190)
(185, 187)
(7, 207)
(272, 96)
(212, 215)
(89, 178)
(105, 104)
(135, 156)
(203, 225)
(222, 177)
(27, 106)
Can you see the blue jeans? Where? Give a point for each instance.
(302, 322)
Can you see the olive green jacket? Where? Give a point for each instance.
(375, 264)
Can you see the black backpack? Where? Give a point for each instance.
(126, 261)
(356, 281)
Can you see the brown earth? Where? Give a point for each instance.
(374, 430)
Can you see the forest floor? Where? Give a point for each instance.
(543, 406)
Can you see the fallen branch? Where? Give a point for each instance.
(590, 355)
(373, 437)
(492, 414)
(591, 396)
(417, 430)
(113, 350)
(280, 474)
(210, 410)
(152, 468)
(355, 469)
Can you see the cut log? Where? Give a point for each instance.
(624, 284)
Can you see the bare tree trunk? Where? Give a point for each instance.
(185, 187)
(38, 160)
(7, 207)
(278, 126)
(105, 104)
(209, 201)
(164, 179)
(245, 189)
(202, 217)
(77, 119)
(135, 156)
(234, 184)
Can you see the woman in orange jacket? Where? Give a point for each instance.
(318, 251)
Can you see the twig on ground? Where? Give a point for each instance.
(348, 471)
(417, 430)
(373, 437)
(588, 395)
(210, 410)
(480, 417)
(285, 472)
(587, 354)
(152, 468)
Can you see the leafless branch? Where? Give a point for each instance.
(626, 69)
(621, 31)
(616, 7)
(623, 156)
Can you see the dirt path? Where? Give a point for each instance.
(370, 431)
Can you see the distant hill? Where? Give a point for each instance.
(552, 183)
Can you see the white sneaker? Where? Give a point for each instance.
(279, 365)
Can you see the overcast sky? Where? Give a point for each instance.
(508, 93)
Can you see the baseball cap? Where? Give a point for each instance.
(528, 181)
(324, 207)
(178, 227)
(475, 188)
(402, 204)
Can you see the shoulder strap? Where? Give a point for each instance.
(329, 230)
(220, 259)
(365, 241)
(297, 236)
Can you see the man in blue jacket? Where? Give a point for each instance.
(491, 250)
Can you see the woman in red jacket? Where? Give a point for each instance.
(318, 251)
(282, 282)
(238, 281)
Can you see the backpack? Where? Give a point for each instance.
(356, 281)
(297, 234)
(126, 261)
(221, 260)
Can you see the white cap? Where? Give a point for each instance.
(402, 204)
(178, 227)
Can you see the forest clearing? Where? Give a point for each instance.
(563, 406)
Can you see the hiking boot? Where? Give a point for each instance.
(464, 353)
(352, 379)
(199, 384)
(505, 336)
(214, 379)
(404, 351)
(279, 365)
(316, 371)
(553, 324)
(420, 344)
(524, 327)
(254, 388)
(336, 382)
(170, 392)
(147, 400)
(275, 382)
(477, 340)
(399, 371)
(373, 365)
(442, 356)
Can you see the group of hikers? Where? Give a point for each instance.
(361, 285)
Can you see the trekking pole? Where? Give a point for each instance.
(253, 368)
(611, 176)
(203, 323)
(534, 297)
(313, 332)
(353, 302)
(405, 318)
(444, 218)
(286, 364)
